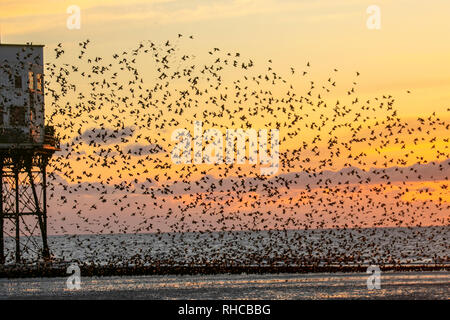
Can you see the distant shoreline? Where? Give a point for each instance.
(99, 271)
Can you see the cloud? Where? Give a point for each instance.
(433, 171)
(33, 16)
(105, 136)
(139, 149)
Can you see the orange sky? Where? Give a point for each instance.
(409, 52)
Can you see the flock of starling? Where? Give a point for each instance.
(349, 168)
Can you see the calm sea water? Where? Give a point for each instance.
(367, 246)
(394, 285)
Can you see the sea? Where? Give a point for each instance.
(417, 245)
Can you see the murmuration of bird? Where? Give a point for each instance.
(349, 167)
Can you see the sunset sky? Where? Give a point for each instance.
(407, 58)
(409, 52)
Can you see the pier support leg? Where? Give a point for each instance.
(46, 250)
(40, 213)
(17, 217)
